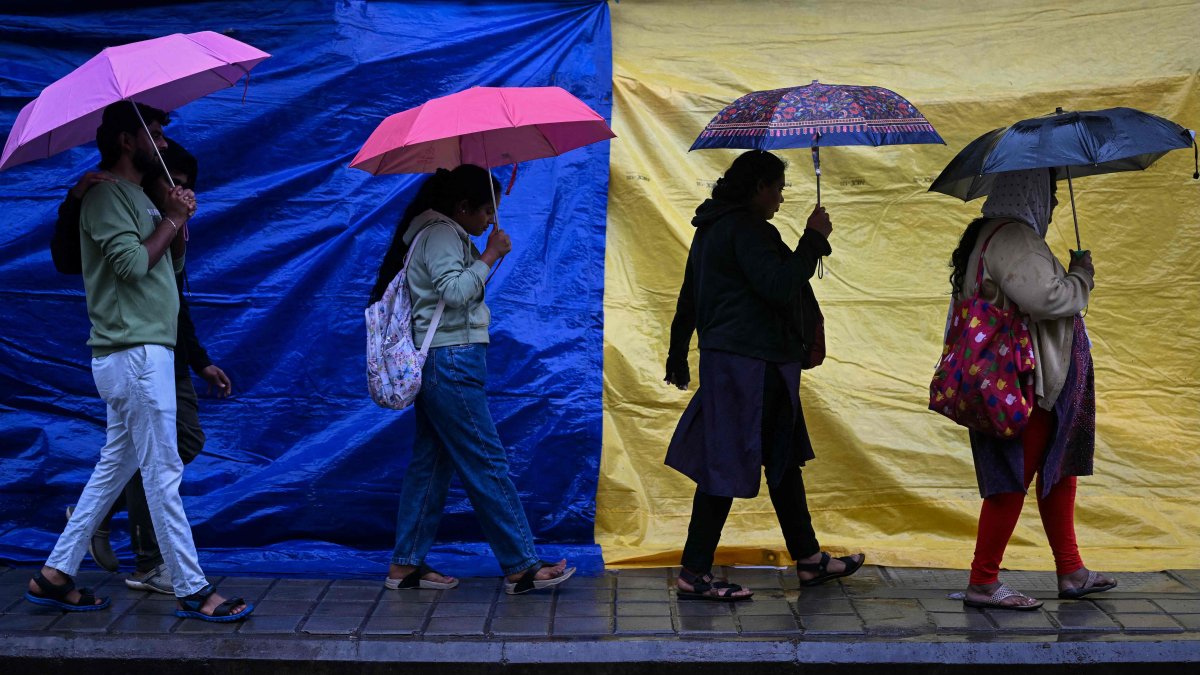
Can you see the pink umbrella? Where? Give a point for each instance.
(488, 126)
(164, 73)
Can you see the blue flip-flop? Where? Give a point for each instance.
(55, 595)
(223, 613)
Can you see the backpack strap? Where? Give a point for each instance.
(441, 306)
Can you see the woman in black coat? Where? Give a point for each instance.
(748, 295)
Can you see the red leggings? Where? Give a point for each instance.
(998, 517)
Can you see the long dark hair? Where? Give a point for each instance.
(441, 192)
(743, 178)
(962, 255)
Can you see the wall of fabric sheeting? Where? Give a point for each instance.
(301, 471)
(890, 477)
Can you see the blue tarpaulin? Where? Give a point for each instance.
(301, 471)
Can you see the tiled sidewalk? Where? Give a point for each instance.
(878, 604)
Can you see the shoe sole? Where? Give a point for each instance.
(143, 586)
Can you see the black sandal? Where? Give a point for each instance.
(530, 582)
(704, 585)
(55, 595)
(822, 569)
(415, 581)
(223, 613)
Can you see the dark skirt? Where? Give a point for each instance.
(1000, 463)
(745, 415)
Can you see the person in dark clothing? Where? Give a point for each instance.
(151, 573)
(748, 296)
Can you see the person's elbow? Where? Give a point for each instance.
(131, 264)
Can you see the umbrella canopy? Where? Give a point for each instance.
(164, 73)
(487, 126)
(817, 114)
(1074, 144)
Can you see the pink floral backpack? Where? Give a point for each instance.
(393, 361)
(982, 380)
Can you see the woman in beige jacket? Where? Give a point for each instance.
(1059, 440)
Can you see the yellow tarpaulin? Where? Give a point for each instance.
(892, 478)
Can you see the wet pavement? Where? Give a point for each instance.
(631, 617)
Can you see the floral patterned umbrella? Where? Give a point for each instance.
(817, 115)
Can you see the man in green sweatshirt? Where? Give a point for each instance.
(131, 253)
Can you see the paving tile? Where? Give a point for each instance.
(198, 627)
(1012, 621)
(359, 609)
(580, 609)
(807, 607)
(692, 625)
(394, 625)
(768, 624)
(410, 595)
(1190, 577)
(86, 622)
(1149, 623)
(630, 583)
(1180, 606)
(573, 595)
(942, 604)
(634, 609)
(835, 624)
(456, 625)
(330, 625)
(270, 625)
(512, 611)
(703, 608)
(1073, 621)
(21, 622)
(353, 593)
(271, 607)
(652, 572)
(606, 581)
(402, 609)
(1189, 621)
(467, 609)
(532, 626)
(1130, 606)
(643, 595)
(891, 608)
(644, 625)
(758, 607)
(583, 625)
(826, 592)
(145, 623)
(297, 589)
(961, 622)
(469, 594)
(23, 607)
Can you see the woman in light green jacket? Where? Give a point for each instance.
(455, 431)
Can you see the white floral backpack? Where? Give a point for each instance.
(393, 362)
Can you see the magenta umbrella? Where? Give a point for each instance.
(487, 126)
(164, 73)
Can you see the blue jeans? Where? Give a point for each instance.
(455, 432)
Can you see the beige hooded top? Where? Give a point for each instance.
(1020, 270)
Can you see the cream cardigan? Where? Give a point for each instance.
(1020, 270)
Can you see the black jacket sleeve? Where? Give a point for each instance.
(197, 356)
(64, 245)
(779, 282)
(682, 328)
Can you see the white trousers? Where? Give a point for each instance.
(138, 384)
